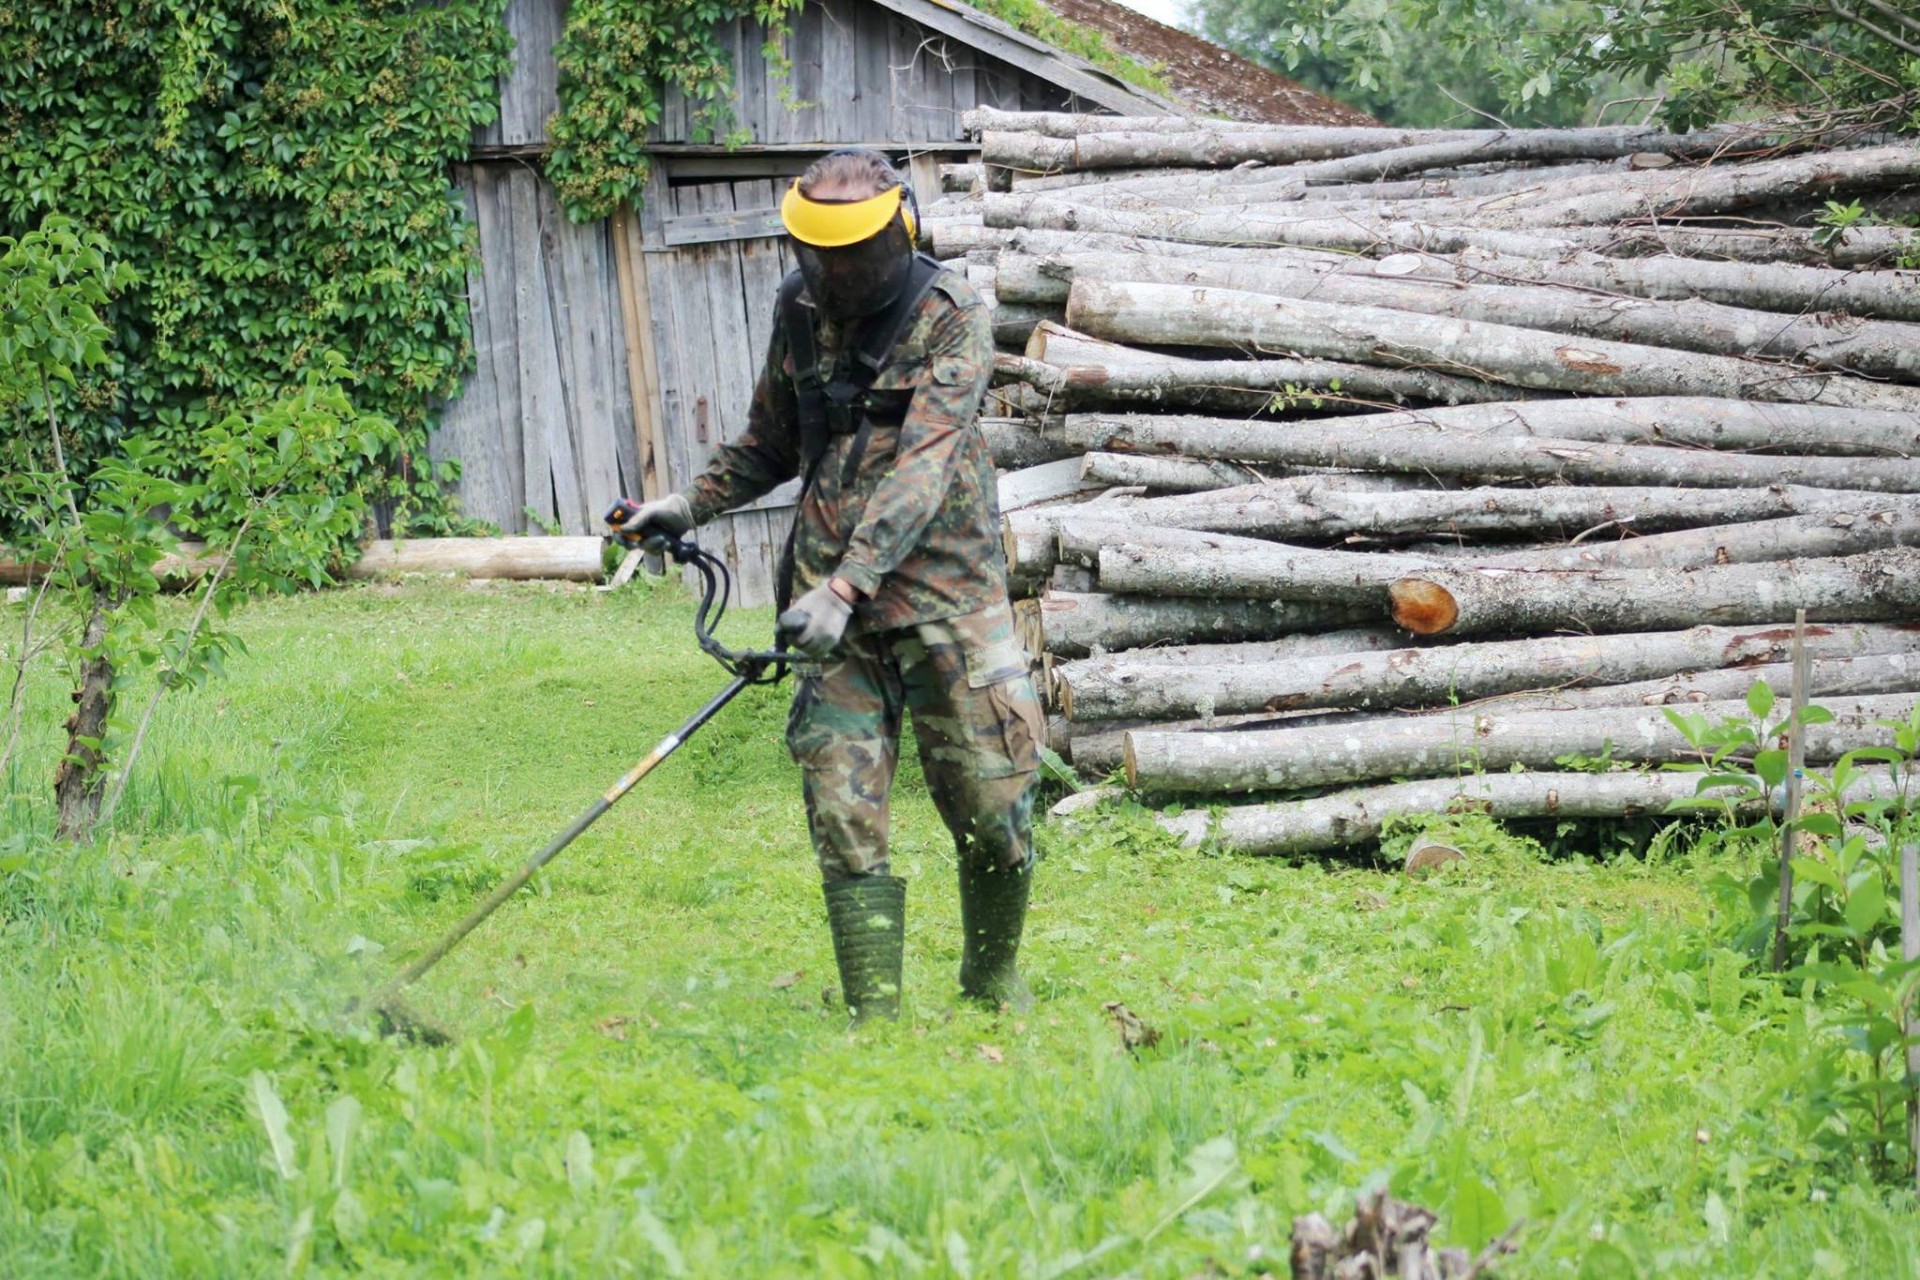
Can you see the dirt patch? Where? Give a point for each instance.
(1213, 80)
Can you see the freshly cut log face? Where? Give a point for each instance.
(1480, 456)
(1425, 746)
(1179, 315)
(1140, 685)
(1871, 587)
(1074, 624)
(1350, 818)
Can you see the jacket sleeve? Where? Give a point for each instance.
(913, 489)
(764, 455)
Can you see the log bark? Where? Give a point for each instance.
(1839, 533)
(1176, 315)
(1074, 625)
(1482, 456)
(1816, 294)
(1357, 817)
(1241, 386)
(1877, 348)
(1327, 229)
(1466, 741)
(1015, 444)
(1161, 475)
(1179, 562)
(1694, 422)
(1144, 686)
(1311, 509)
(576, 559)
(1283, 145)
(1668, 194)
(1875, 586)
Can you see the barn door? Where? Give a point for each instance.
(714, 261)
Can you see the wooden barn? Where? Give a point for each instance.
(612, 357)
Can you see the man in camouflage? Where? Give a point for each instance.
(899, 573)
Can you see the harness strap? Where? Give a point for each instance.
(847, 404)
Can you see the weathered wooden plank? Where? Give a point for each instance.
(582, 310)
(667, 278)
(733, 368)
(493, 215)
(553, 482)
(839, 80)
(761, 270)
(751, 99)
(621, 379)
(643, 369)
(530, 90)
(806, 121)
(469, 431)
(874, 102)
(723, 224)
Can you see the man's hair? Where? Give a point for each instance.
(849, 175)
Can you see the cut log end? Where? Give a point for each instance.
(1422, 607)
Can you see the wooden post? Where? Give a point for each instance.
(636, 317)
(1910, 952)
(1790, 814)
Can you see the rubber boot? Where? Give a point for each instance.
(868, 916)
(993, 912)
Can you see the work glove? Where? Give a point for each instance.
(816, 621)
(658, 522)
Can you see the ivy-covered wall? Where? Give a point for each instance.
(275, 172)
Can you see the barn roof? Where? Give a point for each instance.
(1209, 79)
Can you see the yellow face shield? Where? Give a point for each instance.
(831, 225)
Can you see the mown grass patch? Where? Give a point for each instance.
(649, 1081)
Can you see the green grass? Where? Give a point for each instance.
(650, 1083)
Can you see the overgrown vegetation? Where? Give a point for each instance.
(1431, 62)
(651, 1082)
(275, 502)
(273, 173)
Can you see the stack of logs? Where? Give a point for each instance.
(1354, 455)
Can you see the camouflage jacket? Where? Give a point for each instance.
(917, 530)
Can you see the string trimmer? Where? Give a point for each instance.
(746, 668)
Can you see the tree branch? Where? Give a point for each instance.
(1878, 32)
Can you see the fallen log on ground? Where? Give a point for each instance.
(1074, 624)
(1138, 685)
(1357, 817)
(1465, 742)
(1176, 315)
(1875, 586)
(1484, 456)
(575, 558)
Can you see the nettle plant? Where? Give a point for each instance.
(267, 510)
(1844, 952)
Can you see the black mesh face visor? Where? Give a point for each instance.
(857, 279)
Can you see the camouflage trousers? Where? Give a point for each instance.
(975, 718)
